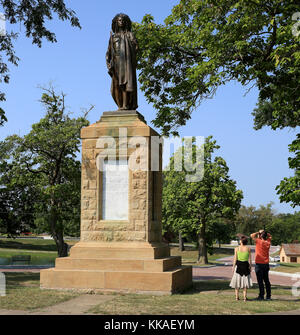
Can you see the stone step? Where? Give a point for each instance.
(113, 264)
(128, 281)
(119, 250)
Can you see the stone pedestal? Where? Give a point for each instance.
(120, 246)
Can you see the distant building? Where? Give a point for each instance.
(290, 253)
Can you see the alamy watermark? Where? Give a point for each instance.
(2, 285)
(2, 25)
(296, 26)
(188, 153)
(296, 285)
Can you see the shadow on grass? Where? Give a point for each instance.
(211, 285)
(223, 285)
(227, 251)
(38, 245)
(206, 285)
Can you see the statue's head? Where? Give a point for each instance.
(121, 22)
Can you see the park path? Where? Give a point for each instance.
(224, 272)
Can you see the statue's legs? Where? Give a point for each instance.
(125, 100)
(116, 92)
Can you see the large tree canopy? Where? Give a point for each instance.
(204, 44)
(289, 188)
(18, 191)
(190, 207)
(46, 159)
(33, 14)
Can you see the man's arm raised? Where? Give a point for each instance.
(254, 236)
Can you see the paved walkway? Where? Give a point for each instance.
(224, 272)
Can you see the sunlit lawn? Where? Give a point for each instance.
(42, 252)
(23, 293)
(207, 297)
(288, 268)
(189, 257)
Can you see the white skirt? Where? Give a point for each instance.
(239, 281)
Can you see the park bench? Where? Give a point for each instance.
(21, 258)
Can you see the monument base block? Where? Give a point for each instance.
(119, 267)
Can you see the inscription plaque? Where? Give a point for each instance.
(115, 190)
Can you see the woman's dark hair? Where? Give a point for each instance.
(244, 240)
(114, 25)
(264, 235)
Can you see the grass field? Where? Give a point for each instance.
(209, 298)
(189, 257)
(206, 297)
(288, 268)
(23, 293)
(30, 244)
(42, 252)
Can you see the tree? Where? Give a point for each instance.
(48, 152)
(189, 207)
(284, 228)
(220, 230)
(251, 219)
(18, 193)
(246, 221)
(204, 44)
(32, 14)
(289, 188)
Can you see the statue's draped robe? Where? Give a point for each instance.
(121, 55)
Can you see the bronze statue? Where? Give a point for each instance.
(121, 63)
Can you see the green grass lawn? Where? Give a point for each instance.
(31, 244)
(207, 297)
(189, 257)
(23, 293)
(37, 258)
(42, 252)
(288, 268)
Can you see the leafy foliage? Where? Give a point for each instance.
(285, 228)
(33, 14)
(189, 207)
(204, 44)
(289, 188)
(251, 219)
(18, 193)
(47, 154)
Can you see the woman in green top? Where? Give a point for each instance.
(241, 267)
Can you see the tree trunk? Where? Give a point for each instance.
(181, 243)
(202, 251)
(62, 247)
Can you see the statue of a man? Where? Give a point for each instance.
(121, 63)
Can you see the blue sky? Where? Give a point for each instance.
(258, 160)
